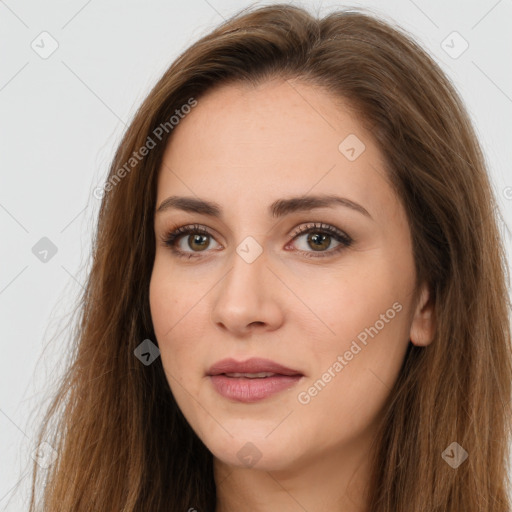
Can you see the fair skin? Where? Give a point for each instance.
(244, 148)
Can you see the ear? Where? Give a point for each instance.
(423, 322)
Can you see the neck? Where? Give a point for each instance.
(336, 479)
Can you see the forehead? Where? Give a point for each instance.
(282, 138)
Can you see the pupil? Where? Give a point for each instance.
(315, 238)
(197, 239)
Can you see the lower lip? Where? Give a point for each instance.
(251, 390)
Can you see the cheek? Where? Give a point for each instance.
(171, 297)
(341, 304)
(358, 353)
(168, 305)
(175, 305)
(352, 378)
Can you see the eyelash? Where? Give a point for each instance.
(171, 238)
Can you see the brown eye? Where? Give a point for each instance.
(319, 239)
(199, 242)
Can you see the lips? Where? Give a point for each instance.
(250, 368)
(251, 380)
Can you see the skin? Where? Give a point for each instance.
(245, 147)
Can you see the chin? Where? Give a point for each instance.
(253, 452)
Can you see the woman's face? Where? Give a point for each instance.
(322, 287)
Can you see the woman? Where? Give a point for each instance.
(298, 295)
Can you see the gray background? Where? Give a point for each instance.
(63, 116)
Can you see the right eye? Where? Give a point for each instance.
(197, 236)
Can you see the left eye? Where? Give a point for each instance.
(318, 235)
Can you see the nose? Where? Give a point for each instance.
(248, 297)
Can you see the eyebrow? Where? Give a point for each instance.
(278, 208)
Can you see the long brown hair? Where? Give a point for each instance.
(122, 442)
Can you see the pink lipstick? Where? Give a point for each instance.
(251, 380)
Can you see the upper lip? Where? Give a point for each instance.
(253, 365)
